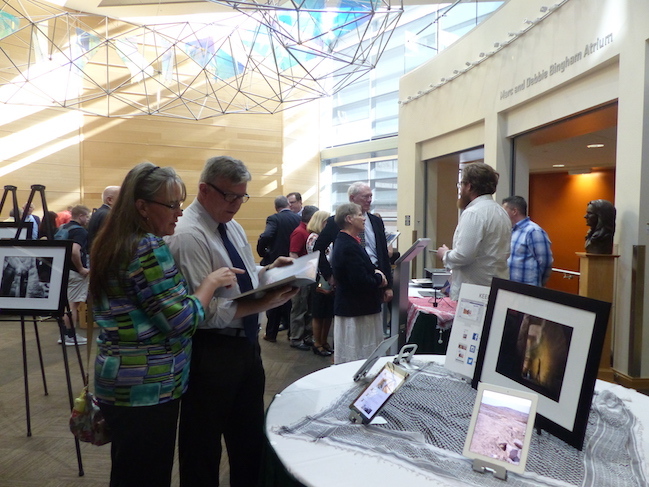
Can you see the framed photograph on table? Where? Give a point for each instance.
(34, 277)
(545, 342)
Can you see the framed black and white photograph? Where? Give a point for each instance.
(545, 342)
(34, 276)
(8, 230)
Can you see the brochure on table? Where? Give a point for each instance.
(464, 341)
(301, 272)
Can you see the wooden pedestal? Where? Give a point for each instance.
(597, 281)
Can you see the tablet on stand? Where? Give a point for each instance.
(365, 407)
(380, 351)
(500, 430)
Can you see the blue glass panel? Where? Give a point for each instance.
(83, 48)
(8, 24)
(201, 50)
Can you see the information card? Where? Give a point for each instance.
(465, 336)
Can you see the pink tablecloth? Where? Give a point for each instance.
(445, 312)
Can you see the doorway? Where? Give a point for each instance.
(569, 163)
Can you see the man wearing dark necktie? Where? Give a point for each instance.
(226, 383)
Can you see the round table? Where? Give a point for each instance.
(319, 464)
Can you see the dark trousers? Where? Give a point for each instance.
(143, 443)
(275, 317)
(225, 399)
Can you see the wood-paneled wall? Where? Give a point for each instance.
(558, 203)
(77, 156)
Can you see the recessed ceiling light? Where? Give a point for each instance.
(595, 146)
(558, 165)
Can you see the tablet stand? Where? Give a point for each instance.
(483, 466)
(400, 290)
(405, 355)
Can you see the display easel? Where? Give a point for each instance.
(401, 279)
(10, 190)
(49, 233)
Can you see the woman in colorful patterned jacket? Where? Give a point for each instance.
(147, 319)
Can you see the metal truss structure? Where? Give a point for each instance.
(257, 60)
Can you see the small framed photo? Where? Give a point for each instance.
(8, 230)
(501, 429)
(546, 342)
(34, 276)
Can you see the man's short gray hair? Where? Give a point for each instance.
(225, 167)
(356, 188)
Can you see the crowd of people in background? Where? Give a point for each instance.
(164, 283)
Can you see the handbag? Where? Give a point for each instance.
(87, 422)
(323, 286)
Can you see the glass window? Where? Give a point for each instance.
(368, 109)
(381, 175)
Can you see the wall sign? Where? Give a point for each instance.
(558, 67)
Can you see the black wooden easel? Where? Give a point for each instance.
(49, 233)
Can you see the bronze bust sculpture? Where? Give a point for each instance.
(600, 217)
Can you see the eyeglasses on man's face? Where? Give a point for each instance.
(230, 197)
(173, 206)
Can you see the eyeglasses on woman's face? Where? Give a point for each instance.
(178, 205)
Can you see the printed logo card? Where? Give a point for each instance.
(465, 336)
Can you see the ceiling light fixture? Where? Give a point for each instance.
(595, 146)
(558, 165)
(279, 55)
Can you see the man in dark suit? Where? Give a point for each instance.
(109, 196)
(373, 238)
(275, 242)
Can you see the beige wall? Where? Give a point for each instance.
(75, 157)
(430, 122)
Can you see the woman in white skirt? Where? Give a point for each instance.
(358, 326)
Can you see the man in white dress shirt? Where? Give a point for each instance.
(482, 239)
(225, 398)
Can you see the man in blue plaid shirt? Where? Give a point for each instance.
(530, 260)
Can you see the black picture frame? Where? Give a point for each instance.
(521, 320)
(8, 230)
(34, 276)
